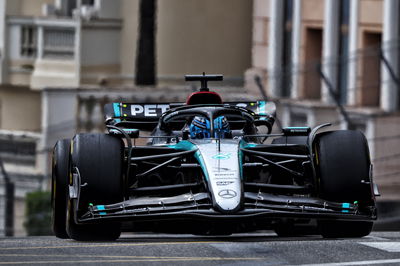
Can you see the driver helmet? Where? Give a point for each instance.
(200, 128)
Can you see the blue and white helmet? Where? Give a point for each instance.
(221, 127)
(200, 128)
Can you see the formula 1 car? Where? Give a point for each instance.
(208, 169)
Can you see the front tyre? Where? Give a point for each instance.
(98, 157)
(59, 187)
(343, 164)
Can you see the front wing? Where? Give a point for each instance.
(199, 207)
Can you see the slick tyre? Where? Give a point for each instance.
(343, 165)
(98, 158)
(59, 187)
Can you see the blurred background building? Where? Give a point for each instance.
(321, 61)
(61, 60)
(316, 57)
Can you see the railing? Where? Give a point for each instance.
(18, 148)
(58, 43)
(43, 38)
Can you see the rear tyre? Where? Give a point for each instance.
(98, 158)
(59, 187)
(342, 160)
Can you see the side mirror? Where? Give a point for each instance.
(132, 132)
(268, 122)
(296, 131)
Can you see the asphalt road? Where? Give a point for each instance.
(380, 248)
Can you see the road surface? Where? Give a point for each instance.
(380, 248)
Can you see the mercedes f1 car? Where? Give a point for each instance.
(209, 168)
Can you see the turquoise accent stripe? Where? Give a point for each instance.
(187, 146)
(100, 207)
(248, 145)
(346, 205)
(117, 110)
(102, 213)
(200, 159)
(261, 108)
(183, 145)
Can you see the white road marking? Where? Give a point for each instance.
(385, 246)
(376, 238)
(362, 262)
(133, 260)
(76, 256)
(117, 244)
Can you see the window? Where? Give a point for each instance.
(58, 43)
(66, 7)
(17, 151)
(88, 2)
(313, 54)
(371, 70)
(28, 41)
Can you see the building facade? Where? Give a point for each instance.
(61, 60)
(319, 57)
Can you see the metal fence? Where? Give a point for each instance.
(19, 174)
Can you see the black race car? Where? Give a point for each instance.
(209, 168)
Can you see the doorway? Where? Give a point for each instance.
(369, 94)
(313, 53)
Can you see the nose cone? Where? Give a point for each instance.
(222, 166)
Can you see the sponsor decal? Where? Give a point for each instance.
(222, 156)
(227, 193)
(224, 174)
(224, 183)
(221, 168)
(148, 110)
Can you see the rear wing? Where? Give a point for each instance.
(146, 115)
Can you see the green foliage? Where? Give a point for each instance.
(38, 213)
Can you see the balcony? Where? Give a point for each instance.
(59, 52)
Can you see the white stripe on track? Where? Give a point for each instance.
(385, 246)
(362, 262)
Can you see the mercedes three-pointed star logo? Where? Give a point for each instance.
(227, 193)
